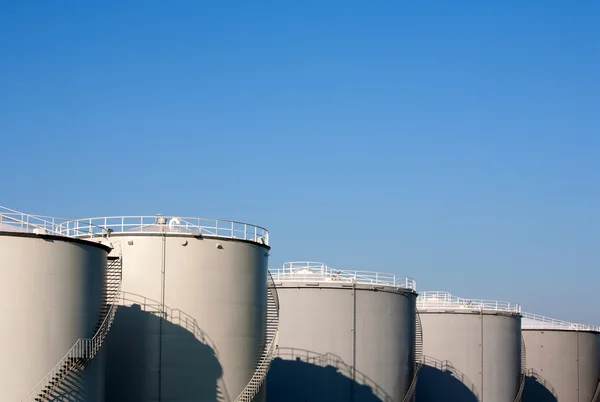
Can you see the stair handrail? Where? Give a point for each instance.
(413, 384)
(46, 223)
(260, 374)
(596, 396)
(84, 348)
(523, 374)
(418, 358)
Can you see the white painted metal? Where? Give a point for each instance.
(16, 221)
(535, 321)
(53, 291)
(307, 271)
(272, 342)
(361, 322)
(564, 356)
(91, 227)
(478, 341)
(85, 349)
(435, 300)
(215, 271)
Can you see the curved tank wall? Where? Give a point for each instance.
(471, 349)
(52, 290)
(565, 356)
(213, 287)
(330, 325)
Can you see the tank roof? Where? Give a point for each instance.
(162, 224)
(19, 222)
(534, 321)
(436, 300)
(308, 271)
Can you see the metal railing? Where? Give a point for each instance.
(253, 386)
(534, 321)
(523, 374)
(29, 223)
(332, 360)
(81, 352)
(178, 317)
(91, 227)
(444, 300)
(596, 396)
(307, 271)
(418, 359)
(272, 342)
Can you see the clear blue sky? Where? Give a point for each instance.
(458, 143)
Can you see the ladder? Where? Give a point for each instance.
(84, 349)
(269, 349)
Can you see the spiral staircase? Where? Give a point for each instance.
(178, 317)
(596, 396)
(84, 350)
(418, 359)
(269, 349)
(523, 374)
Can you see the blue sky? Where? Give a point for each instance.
(454, 143)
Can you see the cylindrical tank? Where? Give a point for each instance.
(344, 335)
(53, 297)
(191, 325)
(562, 360)
(471, 348)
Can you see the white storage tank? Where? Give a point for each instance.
(58, 300)
(563, 360)
(192, 322)
(344, 335)
(472, 350)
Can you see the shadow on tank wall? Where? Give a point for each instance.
(537, 389)
(440, 381)
(144, 351)
(71, 389)
(298, 375)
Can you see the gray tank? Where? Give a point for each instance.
(344, 335)
(562, 360)
(472, 350)
(192, 322)
(58, 306)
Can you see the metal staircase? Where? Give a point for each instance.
(523, 374)
(178, 317)
(269, 348)
(418, 359)
(84, 350)
(596, 396)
